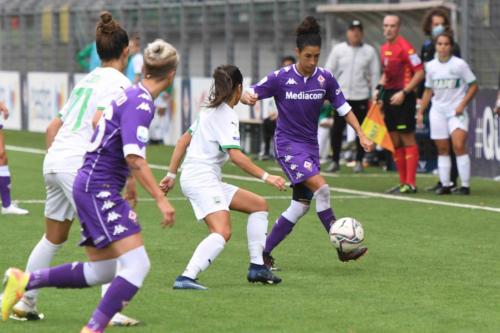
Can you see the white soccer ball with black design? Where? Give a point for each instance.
(347, 234)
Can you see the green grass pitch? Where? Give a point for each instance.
(430, 267)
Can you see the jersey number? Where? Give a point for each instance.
(80, 96)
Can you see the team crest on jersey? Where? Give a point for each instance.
(321, 80)
(337, 91)
(308, 165)
(132, 216)
(145, 96)
(144, 106)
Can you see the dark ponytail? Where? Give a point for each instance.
(111, 38)
(227, 78)
(308, 33)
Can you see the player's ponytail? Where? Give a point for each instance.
(227, 78)
(160, 58)
(308, 33)
(111, 38)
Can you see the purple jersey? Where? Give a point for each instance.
(299, 100)
(123, 130)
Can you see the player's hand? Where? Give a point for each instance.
(459, 110)
(4, 110)
(166, 184)
(398, 98)
(277, 182)
(131, 192)
(167, 211)
(248, 98)
(497, 110)
(420, 120)
(366, 143)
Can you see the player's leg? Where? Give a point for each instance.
(208, 249)
(392, 120)
(407, 128)
(439, 133)
(5, 182)
(256, 206)
(459, 140)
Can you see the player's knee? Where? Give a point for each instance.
(3, 157)
(459, 148)
(99, 272)
(260, 205)
(226, 233)
(295, 211)
(134, 266)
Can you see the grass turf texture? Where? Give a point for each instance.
(429, 268)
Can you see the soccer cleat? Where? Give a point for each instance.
(26, 309)
(461, 190)
(85, 329)
(183, 282)
(443, 190)
(394, 189)
(14, 210)
(408, 189)
(358, 167)
(269, 262)
(14, 285)
(121, 320)
(352, 255)
(259, 273)
(334, 167)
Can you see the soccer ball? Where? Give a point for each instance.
(347, 234)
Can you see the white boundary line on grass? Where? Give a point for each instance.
(337, 189)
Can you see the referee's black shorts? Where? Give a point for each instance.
(400, 118)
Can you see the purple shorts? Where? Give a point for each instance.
(105, 217)
(299, 162)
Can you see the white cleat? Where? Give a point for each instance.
(26, 309)
(122, 320)
(14, 210)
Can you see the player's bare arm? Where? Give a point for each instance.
(52, 131)
(351, 119)
(168, 182)
(242, 161)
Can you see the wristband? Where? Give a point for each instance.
(264, 176)
(171, 175)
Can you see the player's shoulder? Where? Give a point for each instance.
(325, 73)
(405, 44)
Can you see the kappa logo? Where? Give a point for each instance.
(288, 158)
(119, 229)
(74, 264)
(144, 106)
(103, 195)
(293, 166)
(217, 200)
(113, 216)
(291, 81)
(108, 204)
(145, 96)
(308, 165)
(299, 175)
(287, 68)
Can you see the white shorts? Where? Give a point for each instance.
(208, 195)
(442, 126)
(59, 205)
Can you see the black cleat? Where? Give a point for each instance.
(443, 190)
(407, 189)
(434, 188)
(461, 190)
(259, 273)
(394, 189)
(269, 262)
(353, 255)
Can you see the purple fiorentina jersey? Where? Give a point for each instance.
(123, 130)
(299, 101)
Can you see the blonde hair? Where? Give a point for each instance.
(160, 58)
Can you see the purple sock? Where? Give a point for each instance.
(281, 229)
(327, 218)
(5, 190)
(64, 276)
(120, 292)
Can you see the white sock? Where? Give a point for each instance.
(40, 257)
(256, 235)
(4, 171)
(204, 255)
(295, 211)
(444, 168)
(322, 196)
(463, 166)
(134, 266)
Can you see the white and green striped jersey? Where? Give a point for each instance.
(449, 83)
(214, 132)
(94, 92)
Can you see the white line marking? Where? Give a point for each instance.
(340, 190)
